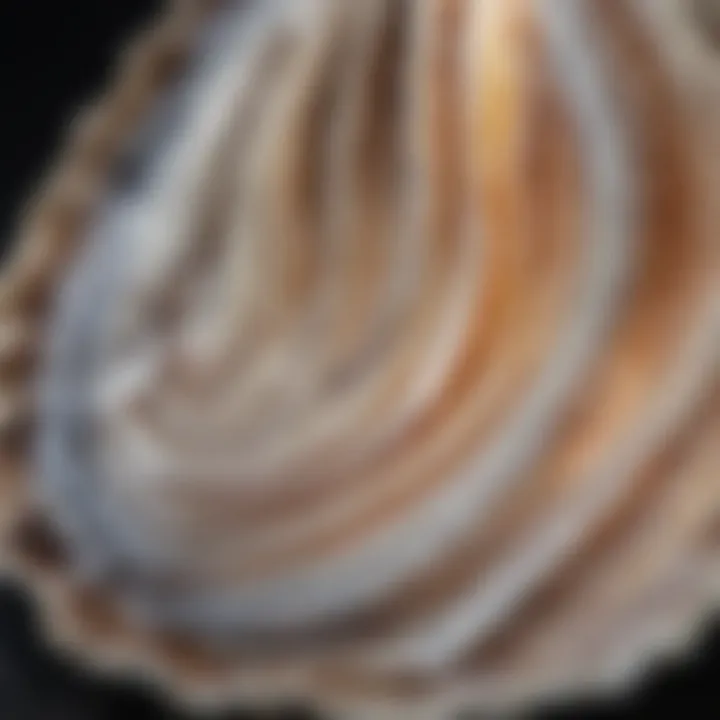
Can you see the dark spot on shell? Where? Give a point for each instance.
(37, 542)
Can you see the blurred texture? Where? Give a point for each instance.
(367, 354)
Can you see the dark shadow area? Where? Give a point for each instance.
(54, 58)
(36, 684)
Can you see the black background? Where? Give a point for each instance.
(54, 56)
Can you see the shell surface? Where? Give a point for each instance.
(378, 352)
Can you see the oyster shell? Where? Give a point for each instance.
(367, 353)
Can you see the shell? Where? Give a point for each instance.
(366, 353)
